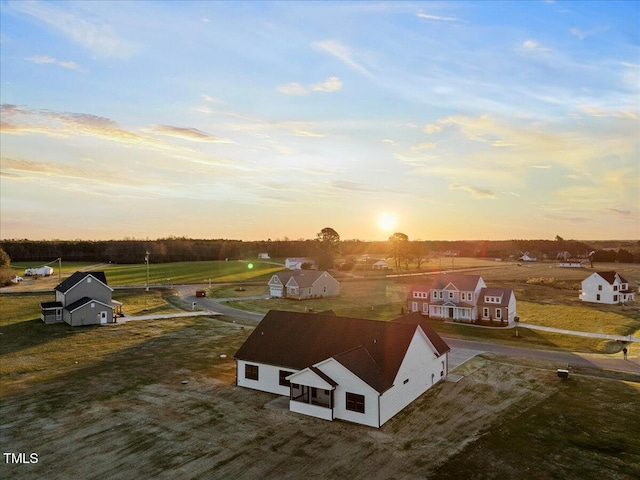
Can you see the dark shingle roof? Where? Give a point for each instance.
(610, 277)
(465, 283)
(77, 277)
(372, 349)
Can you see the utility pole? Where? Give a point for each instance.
(146, 260)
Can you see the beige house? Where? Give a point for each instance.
(303, 284)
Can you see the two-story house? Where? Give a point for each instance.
(462, 298)
(82, 299)
(606, 287)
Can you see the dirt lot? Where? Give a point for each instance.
(131, 416)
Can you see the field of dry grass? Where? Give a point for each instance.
(158, 400)
(130, 413)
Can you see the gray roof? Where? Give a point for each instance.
(304, 278)
(77, 277)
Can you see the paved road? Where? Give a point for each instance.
(461, 350)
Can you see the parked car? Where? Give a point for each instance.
(17, 279)
(201, 293)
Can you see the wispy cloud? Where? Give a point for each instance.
(428, 16)
(352, 186)
(582, 34)
(186, 133)
(475, 191)
(21, 121)
(91, 33)
(331, 84)
(44, 60)
(620, 213)
(343, 53)
(531, 47)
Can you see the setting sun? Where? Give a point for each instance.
(387, 221)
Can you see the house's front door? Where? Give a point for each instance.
(103, 318)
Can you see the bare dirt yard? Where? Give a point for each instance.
(168, 408)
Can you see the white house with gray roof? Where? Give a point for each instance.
(303, 284)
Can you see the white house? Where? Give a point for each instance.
(303, 284)
(330, 367)
(606, 287)
(463, 298)
(296, 263)
(263, 256)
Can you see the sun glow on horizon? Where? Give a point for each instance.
(387, 221)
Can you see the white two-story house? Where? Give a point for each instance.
(606, 287)
(463, 298)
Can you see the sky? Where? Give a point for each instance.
(272, 120)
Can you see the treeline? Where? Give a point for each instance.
(185, 249)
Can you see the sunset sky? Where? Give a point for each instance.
(256, 120)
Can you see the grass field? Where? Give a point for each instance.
(169, 273)
(124, 411)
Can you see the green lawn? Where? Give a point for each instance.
(189, 272)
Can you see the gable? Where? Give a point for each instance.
(313, 377)
(79, 277)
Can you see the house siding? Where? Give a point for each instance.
(596, 289)
(422, 370)
(268, 378)
(87, 314)
(348, 382)
(85, 288)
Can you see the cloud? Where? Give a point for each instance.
(432, 128)
(331, 84)
(352, 186)
(582, 34)
(186, 133)
(18, 168)
(531, 46)
(475, 191)
(92, 34)
(293, 88)
(342, 52)
(423, 146)
(620, 213)
(21, 121)
(428, 16)
(44, 60)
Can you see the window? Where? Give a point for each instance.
(615, 288)
(283, 378)
(600, 287)
(485, 312)
(435, 294)
(615, 298)
(498, 313)
(450, 295)
(355, 402)
(405, 382)
(598, 297)
(440, 294)
(251, 372)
